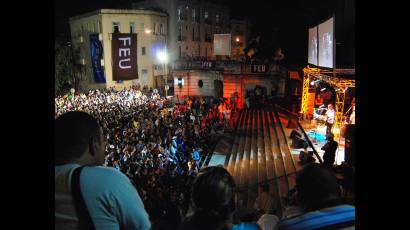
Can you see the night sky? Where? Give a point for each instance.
(281, 23)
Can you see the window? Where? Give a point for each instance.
(180, 33)
(116, 27)
(155, 29)
(193, 15)
(142, 27)
(206, 15)
(94, 29)
(99, 27)
(217, 18)
(144, 77)
(179, 14)
(161, 29)
(180, 52)
(132, 27)
(199, 33)
(143, 51)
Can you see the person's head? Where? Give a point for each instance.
(78, 139)
(317, 187)
(213, 197)
(330, 106)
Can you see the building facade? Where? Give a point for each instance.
(192, 25)
(151, 29)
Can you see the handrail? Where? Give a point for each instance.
(287, 112)
(303, 131)
(283, 132)
(310, 143)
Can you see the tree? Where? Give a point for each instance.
(64, 68)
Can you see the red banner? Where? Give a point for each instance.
(124, 56)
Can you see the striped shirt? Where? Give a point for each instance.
(338, 217)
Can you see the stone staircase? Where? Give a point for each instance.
(260, 154)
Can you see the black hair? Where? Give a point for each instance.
(317, 187)
(73, 132)
(213, 197)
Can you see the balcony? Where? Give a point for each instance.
(227, 67)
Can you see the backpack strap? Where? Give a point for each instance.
(84, 219)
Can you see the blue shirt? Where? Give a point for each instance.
(112, 201)
(342, 216)
(195, 155)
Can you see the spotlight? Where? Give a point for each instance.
(323, 89)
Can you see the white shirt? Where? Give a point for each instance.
(330, 113)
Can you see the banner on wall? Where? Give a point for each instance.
(96, 51)
(124, 56)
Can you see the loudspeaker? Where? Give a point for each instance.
(350, 144)
(295, 133)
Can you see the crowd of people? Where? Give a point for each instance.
(156, 143)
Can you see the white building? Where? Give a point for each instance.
(151, 29)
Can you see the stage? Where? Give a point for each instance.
(318, 138)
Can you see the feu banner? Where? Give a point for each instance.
(124, 56)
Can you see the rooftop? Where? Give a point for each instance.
(119, 11)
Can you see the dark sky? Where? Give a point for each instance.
(282, 23)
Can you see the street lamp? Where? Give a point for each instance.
(163, 58)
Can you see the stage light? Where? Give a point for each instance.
(312, 83)
(237, 39)
(323, 89)
(147, 31)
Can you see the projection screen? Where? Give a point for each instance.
(326, 44)
(312, 46)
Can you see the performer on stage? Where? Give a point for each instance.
(352, 115)
(330, 119)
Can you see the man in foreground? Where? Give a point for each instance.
(88, 196)
(319, 197)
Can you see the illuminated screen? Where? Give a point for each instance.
(326, 44)
(222, 44)
(312, 48)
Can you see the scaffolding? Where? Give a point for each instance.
(339, 84)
